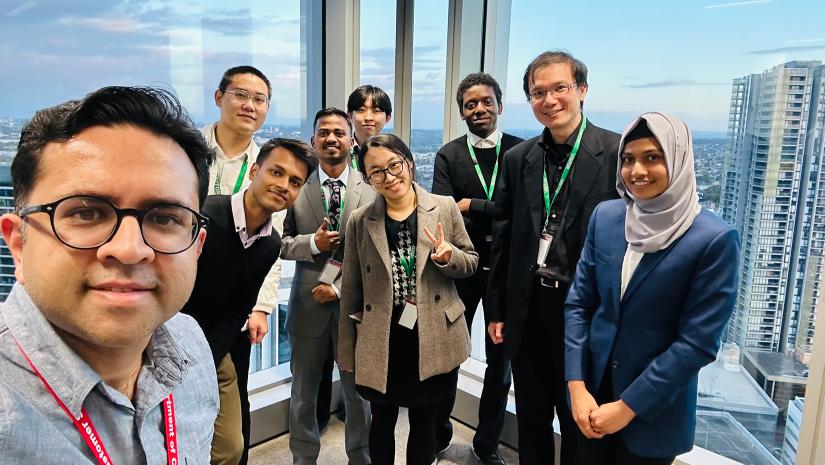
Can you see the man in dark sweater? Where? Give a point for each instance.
(466, 168)
(240, 249)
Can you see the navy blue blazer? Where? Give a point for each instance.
(666, 327)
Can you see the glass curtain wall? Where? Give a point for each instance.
(54, 51)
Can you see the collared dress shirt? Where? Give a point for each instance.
(35, 430)
(488, 142)
(239, 215)
(229, 169)
(322, 177)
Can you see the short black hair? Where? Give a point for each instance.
(379, 99)
(155, 110)
(245, 69)
(331, 111)
(300, 149)
(476, 79)
(390, 142)
(552, 57)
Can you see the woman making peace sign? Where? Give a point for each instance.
(402, 327)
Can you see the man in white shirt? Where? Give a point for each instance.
(243, 97)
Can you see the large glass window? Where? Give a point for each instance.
(429, 76)
(377, 54)
(747, 78)
(54, 51)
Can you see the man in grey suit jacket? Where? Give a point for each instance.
(313, 232)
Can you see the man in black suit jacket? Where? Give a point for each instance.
(548, 188)
(240, 248)
(467, 169)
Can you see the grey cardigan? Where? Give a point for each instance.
(366, 294)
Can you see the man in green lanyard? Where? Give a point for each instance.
(467, 169)
(548, 187)
(314, 238)
(243, 96)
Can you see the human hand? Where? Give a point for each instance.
(442, 250)
(257, 326)
(611, 417)
(496, 331)
(324, 293)
(464, 206)
(326, 240)
(582, 404)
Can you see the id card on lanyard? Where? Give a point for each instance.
(546, 239)
(87, 430)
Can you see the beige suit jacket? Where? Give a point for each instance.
(366, 294)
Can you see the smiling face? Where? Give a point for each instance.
(114, 296)
(644, 170)
(397, 175)
(368, 120)
(480, 110)
(559, 113)
(277, 181)
(332, 140)
(242, 117)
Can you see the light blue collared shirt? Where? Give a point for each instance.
(33, 427)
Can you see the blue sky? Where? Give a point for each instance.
(676, 56)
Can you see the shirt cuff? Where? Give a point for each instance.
(312, 247)
(337, 292)
(268, 311)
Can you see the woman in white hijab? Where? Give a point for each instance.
(653, 290)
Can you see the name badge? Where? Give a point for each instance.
(544, 248)
(332, 269)
(409, 315)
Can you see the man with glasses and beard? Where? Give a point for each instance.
(97, 364)
(313, 236)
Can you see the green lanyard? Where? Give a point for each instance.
(548, 204)
(340, 211)
(239, 181)
(487, 192)
(408, 260)
(354, 162)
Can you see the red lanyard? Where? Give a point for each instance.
(87, 429)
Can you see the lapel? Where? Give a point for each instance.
(586, 170)
(617, 260)
(312, 190)
(355, 183)
(377, 230)
(427, 217)
(531, 173)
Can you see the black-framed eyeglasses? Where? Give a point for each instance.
(379, 176)
(87, 222)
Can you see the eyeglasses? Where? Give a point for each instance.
(241, 96)
(379, 176)
(85, 222)
(538, 95)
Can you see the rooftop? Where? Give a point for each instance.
(777, 366)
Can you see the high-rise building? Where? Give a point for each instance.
(773, 193)
(6, 206)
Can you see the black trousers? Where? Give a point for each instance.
(421, 439)
(611, 449)
(538, 374)
(239, 352)
(497, 377)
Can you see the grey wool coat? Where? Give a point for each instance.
(366, 294)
